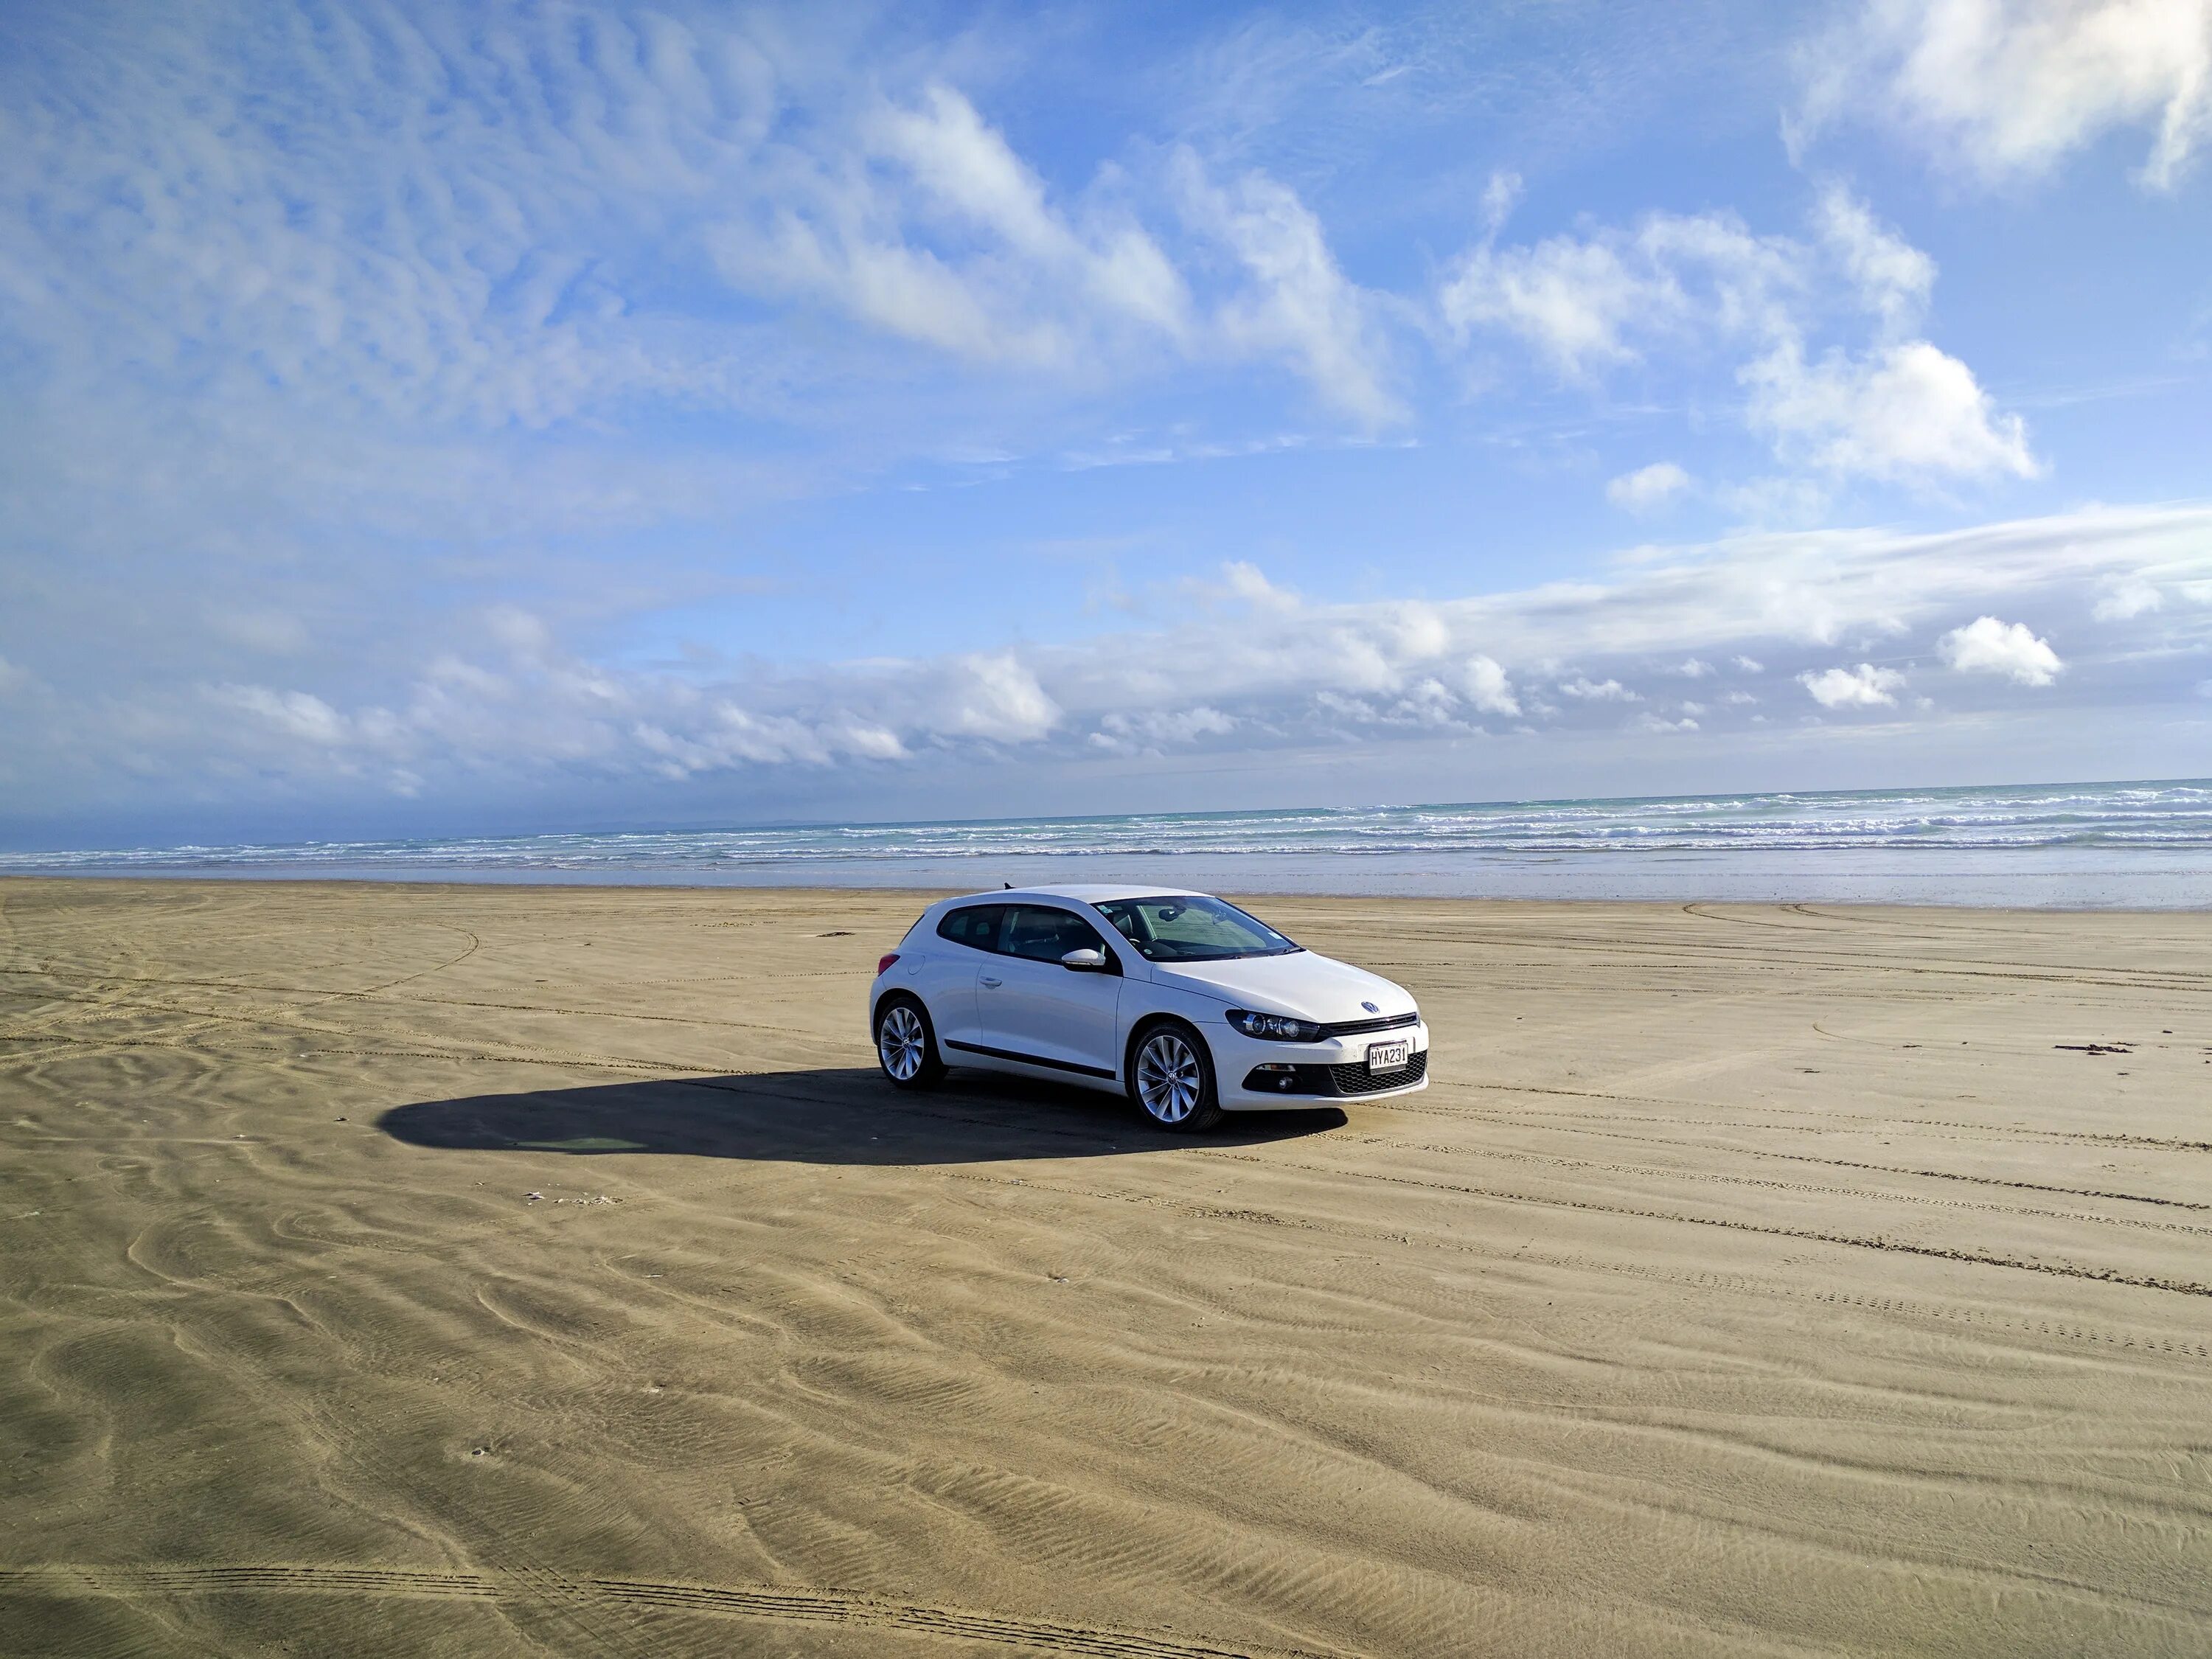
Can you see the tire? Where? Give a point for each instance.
(1171, 1078)
(906, 1044)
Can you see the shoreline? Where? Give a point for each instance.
(2181, 890)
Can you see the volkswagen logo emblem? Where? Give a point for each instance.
(1370, 1008)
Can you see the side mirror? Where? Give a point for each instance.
(1088, 960)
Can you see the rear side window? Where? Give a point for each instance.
(1044, 935)
(976, 926)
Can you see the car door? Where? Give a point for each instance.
(1029, 1005)
(967, 940)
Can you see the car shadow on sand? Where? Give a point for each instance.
(842, 1116)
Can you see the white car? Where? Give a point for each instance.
(1185, 1003)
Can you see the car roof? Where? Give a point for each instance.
(1083, 892)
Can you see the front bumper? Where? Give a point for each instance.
(1252, 1075)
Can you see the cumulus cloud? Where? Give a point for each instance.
(1864, 687)
(518, 704)
(1899, 411)
(1582, 688)
(992, 695)
(1242, 579)
(1986, 646)
(1154, 732)
(1909, 412)
(2003, 88)
(1588, 303)
(1648, 487)
(1488, 688)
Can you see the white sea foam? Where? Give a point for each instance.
(2147, 843)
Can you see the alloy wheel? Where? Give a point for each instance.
(1169, 1080)
(902, 1042)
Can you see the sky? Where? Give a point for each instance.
(454, 418)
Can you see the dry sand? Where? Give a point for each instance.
(1751, 1280)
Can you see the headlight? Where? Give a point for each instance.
(1277, 1027)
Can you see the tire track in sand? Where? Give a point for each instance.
(789, 1602)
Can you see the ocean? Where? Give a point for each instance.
(2143, 845)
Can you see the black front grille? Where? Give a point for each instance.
(1339, 1080)
(1358, 1080)
(1357, 1027)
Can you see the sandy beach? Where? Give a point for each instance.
(469, 1270)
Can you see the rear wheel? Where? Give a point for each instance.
(1171, 1080)
(906, 1048)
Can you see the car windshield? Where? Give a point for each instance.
(1188, 928)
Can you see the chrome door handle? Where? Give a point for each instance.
(992, 984)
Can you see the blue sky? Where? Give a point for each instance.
(440, 418)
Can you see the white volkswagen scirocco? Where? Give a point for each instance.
(1189, 1006)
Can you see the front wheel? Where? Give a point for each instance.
(1172, 1079)
(905, 1046)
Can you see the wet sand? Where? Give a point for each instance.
(482, 1271)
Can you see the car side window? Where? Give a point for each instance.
(975, 926)
(1047, 935)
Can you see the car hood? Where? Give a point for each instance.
(1306, 986)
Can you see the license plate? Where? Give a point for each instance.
(1387, 1056)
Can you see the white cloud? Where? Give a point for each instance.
(933, 228)
(1573, 300)
(1583, 303)
(1648, 487)
(994, 696)
(1892, 277)
(410, 222)
(1864, 687)
(968, 166)
(1245, 581)
(1903, 411)
(1910, 412)
(1749, 665)
(1489, 689)
(1656, 725)
(1582, 688)
(1986, 646)
(2003, 88)
(2127, 597)
(1692, 668)
(516, 706)
(1286, 672)
(1153, 732)
(294, 714)
(1296, 303)
(1499, 198)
